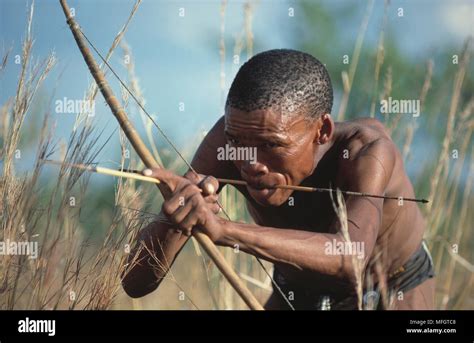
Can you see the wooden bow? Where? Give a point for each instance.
(150, 161)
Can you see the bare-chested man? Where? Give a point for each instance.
(280, 104)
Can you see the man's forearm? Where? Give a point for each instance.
(151, 258)
(303, 250)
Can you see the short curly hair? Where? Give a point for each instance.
(288, 80)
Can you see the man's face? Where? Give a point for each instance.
(285, 148)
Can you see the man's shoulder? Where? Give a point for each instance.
(365, 148)
(365, 135)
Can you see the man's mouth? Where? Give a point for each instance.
(259, 186)
(260, 190)
(261, 193)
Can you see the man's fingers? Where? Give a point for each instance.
(211, 201)
(209, 185)
(193, 176)
(211, 198)
(185, 207)
(179, 198)
(180, 213)
(165, 176)
(188, 216)
(189, 222)
(215, 208)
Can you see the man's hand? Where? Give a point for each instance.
(209, 186)
(193, 202)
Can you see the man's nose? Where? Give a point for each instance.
(251, 170)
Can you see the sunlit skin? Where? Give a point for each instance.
(292, 150)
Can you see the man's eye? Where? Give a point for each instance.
(271, 145)
(233, 141)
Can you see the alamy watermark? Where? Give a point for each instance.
(230, 153)
(70, 106)
(28, 325)
(19, 248)
(336, 247)
(405, 106)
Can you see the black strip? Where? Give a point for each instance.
(239, 323)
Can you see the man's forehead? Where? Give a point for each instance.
(269, 120)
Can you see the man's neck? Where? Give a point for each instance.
(324, 149)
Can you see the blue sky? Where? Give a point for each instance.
(177, 58)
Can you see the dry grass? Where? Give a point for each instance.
(339, 206)
(70, 272)
(348, 78)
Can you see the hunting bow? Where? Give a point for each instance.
(150, 161)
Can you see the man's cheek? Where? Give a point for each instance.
(238, 164)
(273, 162)
(281, 165)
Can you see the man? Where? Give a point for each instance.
(280, 104)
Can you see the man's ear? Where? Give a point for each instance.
(326, 129)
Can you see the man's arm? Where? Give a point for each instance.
(369, 172)
(154, 252)
(159, 243)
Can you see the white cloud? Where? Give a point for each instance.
(458, 18)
